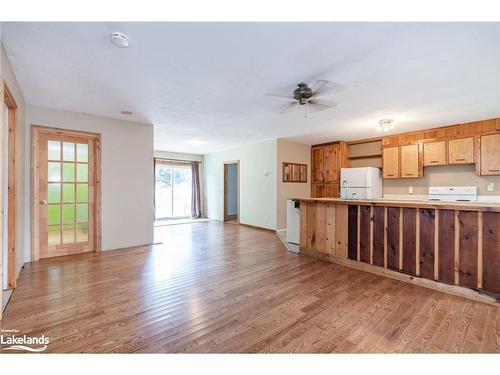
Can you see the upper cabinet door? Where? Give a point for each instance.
(435, 153)
(317, 155)
(490, 154)
(390, 162)
(461, 151)
(410, 161)
(330, 165)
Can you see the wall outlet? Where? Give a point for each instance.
(490, 187)
(410, 190)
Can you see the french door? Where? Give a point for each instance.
(173, 189)
(66, 185)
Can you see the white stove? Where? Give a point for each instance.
(453, 193)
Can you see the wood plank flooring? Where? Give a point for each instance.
(215, 288)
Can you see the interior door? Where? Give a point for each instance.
(66, 183)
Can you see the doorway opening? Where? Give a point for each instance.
(66, 189)
(173, 189)
(232, 192)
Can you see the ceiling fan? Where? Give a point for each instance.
(307, 97)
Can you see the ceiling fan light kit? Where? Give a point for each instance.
(306, 96)
(385, 124)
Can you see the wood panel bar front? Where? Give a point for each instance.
(457, 249)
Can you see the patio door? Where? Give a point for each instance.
(173, 189)
(65, 205)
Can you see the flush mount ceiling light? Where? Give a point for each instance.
(128, 113)
(385, 125)
(119, 39)
(196, 142)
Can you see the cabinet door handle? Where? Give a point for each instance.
(390, 175)
(460, 159)
(493, 170)
(434, 161)
(408, 174)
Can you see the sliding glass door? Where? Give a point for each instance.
(172, 189)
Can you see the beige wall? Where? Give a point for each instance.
(450, 175)
(447, 175)
(127, 174)
(21, 158)
(190, 157)
(257, 183)
(295, 153)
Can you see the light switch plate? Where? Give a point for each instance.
(410, 190)
(490, 187)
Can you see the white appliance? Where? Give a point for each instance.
(360, 183)
(293, 221)
(453, 193)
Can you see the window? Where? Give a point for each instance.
(172, 189)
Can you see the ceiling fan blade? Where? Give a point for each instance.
(285, 108)
(316, 105)
(321, 85)
(280, 96)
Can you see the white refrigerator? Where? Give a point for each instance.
(360, 183)
(293, 221)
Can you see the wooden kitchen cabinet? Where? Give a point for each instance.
(331, 190)
(390, 162)
(410, 161)
(490, 154)
(330, 164)
(317, 158)
(461, 151)
(317, 190)
(435, 153)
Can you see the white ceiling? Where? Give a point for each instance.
(207, 81)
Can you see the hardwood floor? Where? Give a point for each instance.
(221, 288)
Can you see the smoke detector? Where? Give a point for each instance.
(119, 39)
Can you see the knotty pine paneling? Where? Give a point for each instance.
(378, 236)
(409, 240)
(427, 227)
(329, 228)
(467, 244)
(393, 238)
(364, 234)
(491, 253)
(352, 233)
(446, 246)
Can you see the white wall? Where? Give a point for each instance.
(232, 189)
(127, 174)
(22, 157)
(257, 183)
(295, 153)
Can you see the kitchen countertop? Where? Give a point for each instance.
(468, 206)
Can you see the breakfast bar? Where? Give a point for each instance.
(453, 247)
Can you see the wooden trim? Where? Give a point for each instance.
(457, 247)
(479, 250)
(257, 227)
(417, 242)
(371, 234)
(372, 156)
(426, 283)
(358, 245)
(11, 187)
(436, 245)
(36, 131)
(367, 140)
(401, 238)
(225, 165)
(385, 237)
(325, 144)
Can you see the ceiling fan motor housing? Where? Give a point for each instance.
(302, 93)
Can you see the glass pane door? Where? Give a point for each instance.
(172, 191)
(67, 192)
